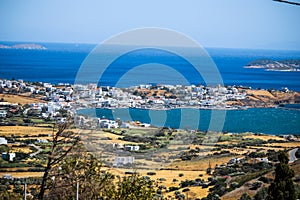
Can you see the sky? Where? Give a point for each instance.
(212, 23)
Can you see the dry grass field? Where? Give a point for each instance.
(261, 93)
(264, 137)
(22, 174)
(24, 130)
(285, 145)
(19, 99)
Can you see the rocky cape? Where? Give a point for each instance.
(272, 65)
(23, 46)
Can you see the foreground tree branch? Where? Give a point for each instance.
(289, 2)
(63, 141)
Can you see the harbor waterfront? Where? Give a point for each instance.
(258, 120)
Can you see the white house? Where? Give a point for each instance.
(265, 160)
(3, 113)
(42, 141)
(3, 140)
(123, 160)
(132, 148)
(8, 156)
(234, 160)
(106, 123)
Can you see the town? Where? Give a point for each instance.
(51, 98)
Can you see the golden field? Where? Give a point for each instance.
(19, 99)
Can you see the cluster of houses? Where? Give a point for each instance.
(6, 155)
(233, 161)
(126, 147)
(9, 156)
(53, 98)
(124, 160)
(155, 97)
(68, 97)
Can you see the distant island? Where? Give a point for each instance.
(23, 46)
(272, 65)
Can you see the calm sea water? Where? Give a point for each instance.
(60, 63)
(257, 120)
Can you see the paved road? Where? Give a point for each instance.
(37, 152)
(292, 155)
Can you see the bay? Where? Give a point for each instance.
(257, 120)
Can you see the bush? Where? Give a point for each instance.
(261, 194)
(158, 191)
(187, 183)
(186, 190)
(181, 175)
(162, 179)
(256, 185)
(161, 187)
(265, 179)
(234, 185)
(173, 188)
(245, 196)
(151, 173)
(3, 188)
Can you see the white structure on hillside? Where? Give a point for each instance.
(106, 123)
(3, 113)
(123, 160)
(42, 141)
(3, 140)
(8, 156)
(132, 148)
(265, 160)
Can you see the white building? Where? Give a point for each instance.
(8, 156)
(42, 141)
(106, 123)
(3, 140)
(123, 160)
(132, 148)
(265, 160)
(3, 113)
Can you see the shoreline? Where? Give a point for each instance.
(195, 107)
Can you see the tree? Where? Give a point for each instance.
(81, 168)
(261, 194)
(288, 2)
(209, 169)
(132, 187)
(84, 169)
(245, 196)
(62, 144)
(282, 188)
(5, 195)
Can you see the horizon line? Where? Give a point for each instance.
(209, 47)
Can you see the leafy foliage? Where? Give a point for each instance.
(94, 183)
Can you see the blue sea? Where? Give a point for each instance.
(61, 62)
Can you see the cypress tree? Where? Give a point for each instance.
(282, 188)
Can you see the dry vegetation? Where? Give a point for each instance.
(19, 99)
(191, 169)
(24, 130)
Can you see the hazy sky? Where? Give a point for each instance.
(213, 23)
